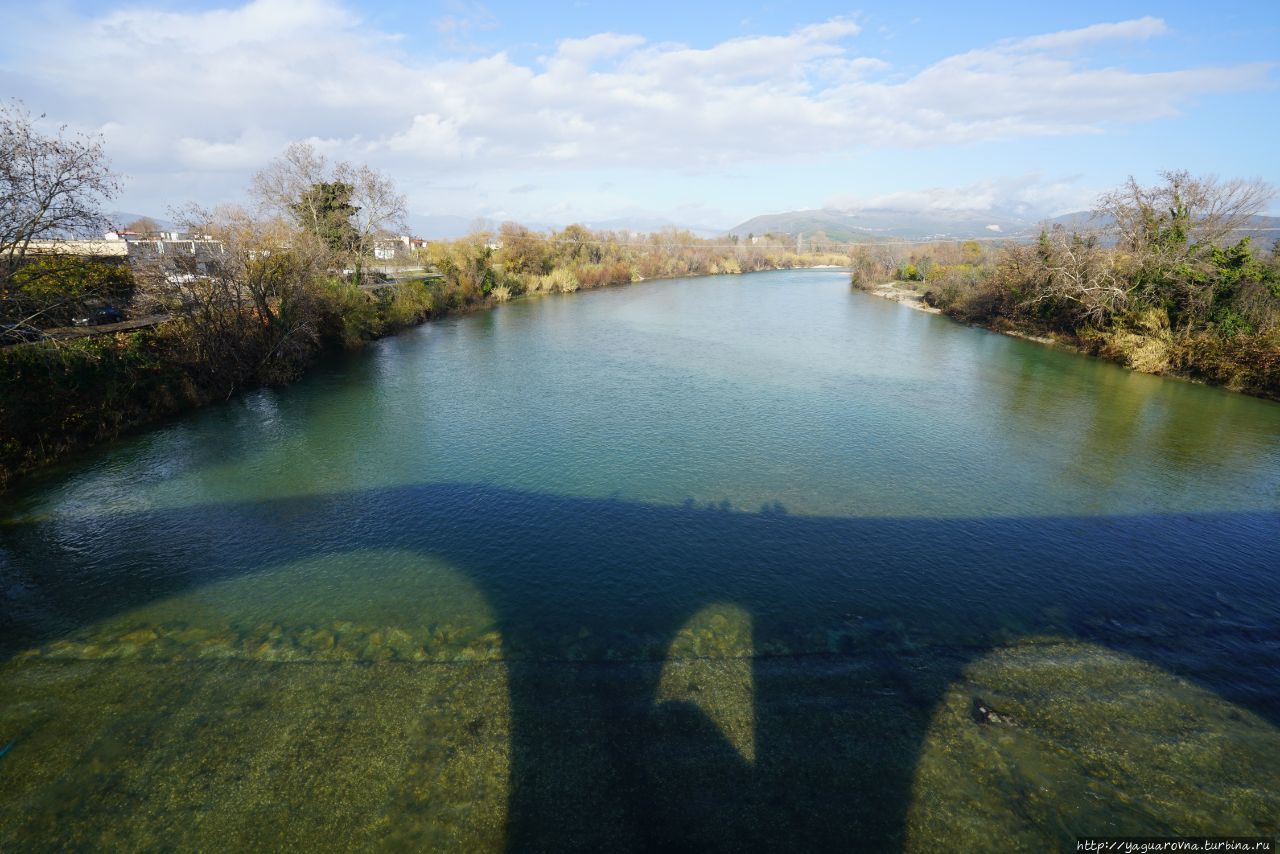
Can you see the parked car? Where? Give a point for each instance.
(15, 333)
(99, 316)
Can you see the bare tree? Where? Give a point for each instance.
(245, 304)
(1184, 211)
(381, 210)
(280, 187)
(50, 187)
(1066, 278)
(365, 200)
(1170, 234)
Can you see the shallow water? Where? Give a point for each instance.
(721, 561)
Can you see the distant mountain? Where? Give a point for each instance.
(1263, 224)
(1079, 221)
(869, 225)
(1264, 230)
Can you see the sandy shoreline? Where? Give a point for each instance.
(898, 293)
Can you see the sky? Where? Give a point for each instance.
(702, 114)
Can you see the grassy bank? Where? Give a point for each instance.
(1246, 364)
(1144, 341)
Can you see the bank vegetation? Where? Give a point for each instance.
(272, 286)
(1165, 279)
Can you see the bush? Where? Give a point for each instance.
(55, 288)
(599, 275)
(348, 314)
(964, 292)
(1243, 362)
(411, 302)
(910, 273)
(84, 390)
(558, 281)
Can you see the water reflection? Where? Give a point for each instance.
(1120, 432)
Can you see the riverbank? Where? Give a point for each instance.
(901, 292)
(1149, 351)
(907, 294)
(63, 398)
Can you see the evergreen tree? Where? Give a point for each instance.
(326, 210)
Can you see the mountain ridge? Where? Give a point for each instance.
(868, 225)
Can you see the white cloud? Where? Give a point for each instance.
(1139, 28)
(249, 150)
(223, 89)
(582, 52)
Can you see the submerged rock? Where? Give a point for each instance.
(322, 641)
(139, 637)
(984, 714)
(218, 646)
(401, 643)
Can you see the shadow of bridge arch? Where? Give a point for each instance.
(859, 622)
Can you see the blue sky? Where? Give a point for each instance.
(705, 114)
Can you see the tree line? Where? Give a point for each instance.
(265, 287)
(515, 260)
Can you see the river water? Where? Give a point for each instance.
(739, 562)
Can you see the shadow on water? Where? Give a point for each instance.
(594, 760)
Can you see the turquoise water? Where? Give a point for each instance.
(720, 561)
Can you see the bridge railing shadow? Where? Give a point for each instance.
(858, 626)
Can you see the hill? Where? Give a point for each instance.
(869, 225)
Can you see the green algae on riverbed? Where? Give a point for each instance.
(1094, 743)
(237, 755)
(152, 741)
(709, 667)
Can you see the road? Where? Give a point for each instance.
(65, 333)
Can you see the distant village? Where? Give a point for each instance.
(154, 251)
(139, 247)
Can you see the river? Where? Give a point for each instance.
(753, 562)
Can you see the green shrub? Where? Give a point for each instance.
(348, 315)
